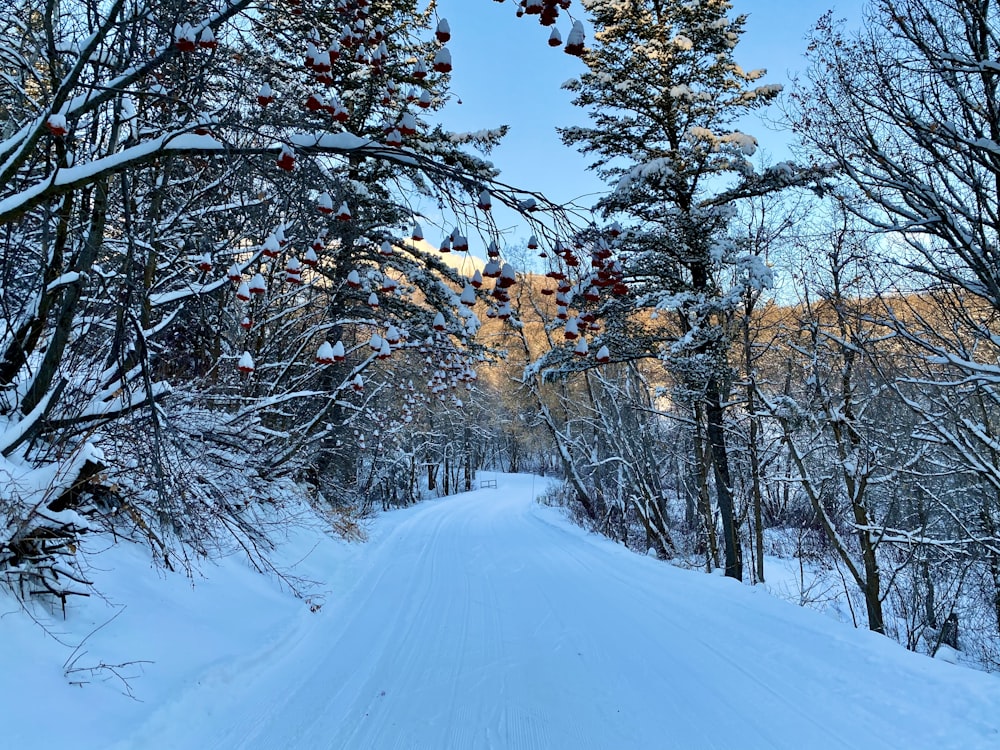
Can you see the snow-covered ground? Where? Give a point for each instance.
(478, 621)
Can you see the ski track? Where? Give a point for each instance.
(481, 622)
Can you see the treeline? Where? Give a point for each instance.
(802, 354)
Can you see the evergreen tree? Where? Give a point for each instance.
(666, 97)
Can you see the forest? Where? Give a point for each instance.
(244, 258)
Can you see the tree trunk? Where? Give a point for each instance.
(872, 591)
(758, 514)
(71, 298)
(723, 482)
(469, 471)
(704, 501)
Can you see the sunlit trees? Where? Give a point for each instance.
(908, 110)
(665, 97)
(828, 420)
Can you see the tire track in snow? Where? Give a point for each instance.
(696, 665)
(489, 626)
(399, 644)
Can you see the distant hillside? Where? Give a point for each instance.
(464, 263)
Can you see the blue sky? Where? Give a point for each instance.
(505, 73)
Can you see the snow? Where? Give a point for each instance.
(478, 621)
(683, 43)
(331, 141)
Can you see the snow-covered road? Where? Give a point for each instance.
(484, 621)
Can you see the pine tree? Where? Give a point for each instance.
(666, 98)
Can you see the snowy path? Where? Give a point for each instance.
(483, 621)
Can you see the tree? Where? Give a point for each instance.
(835, 446)
(665, 96)
(191, 209)
(909, 110)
